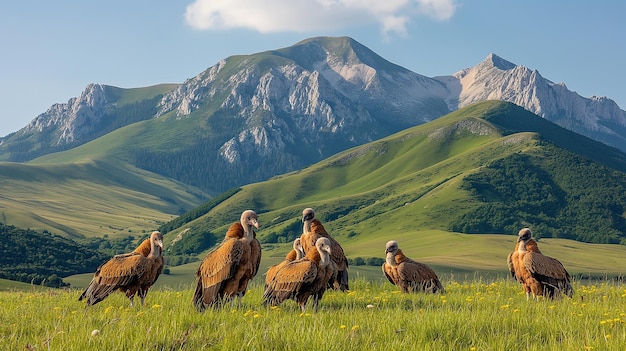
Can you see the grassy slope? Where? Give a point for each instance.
(89, 198)
(92, 190)
(406, 188)
(12, 285)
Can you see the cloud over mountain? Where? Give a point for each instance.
(310, 15)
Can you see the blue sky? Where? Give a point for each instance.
(50, 50)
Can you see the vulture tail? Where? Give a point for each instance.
(342, 279)
(198, 301)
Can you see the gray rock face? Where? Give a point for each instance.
(75, 120)
(328, 94)
(497, 79)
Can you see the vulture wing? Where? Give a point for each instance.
(219, 265)
(538, 264)
(153, 273)
(390, 273)
(289, 280)
(550, 272)
(337, 255)
(116, 273)
(510, 263)
(419, 276)
(255, 256)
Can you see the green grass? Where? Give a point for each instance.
(460, 257)
(12, 285)
(472, 315)
(89, 198)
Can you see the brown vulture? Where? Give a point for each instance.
(301, 279)
(539, 275)
(409, 275)
(295, 254)
(226, 271)
(131, 273)
(312, 230)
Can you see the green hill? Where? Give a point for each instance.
(42, 258)
(90, 198)
(490, 168)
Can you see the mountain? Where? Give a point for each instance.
(99, 110)
(491, 167)
(250, 117)
(498, 79)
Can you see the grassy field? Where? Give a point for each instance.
(471, 315)
(462, 257)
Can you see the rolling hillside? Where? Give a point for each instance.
(90, 198)
(488, 169)
(423, 184)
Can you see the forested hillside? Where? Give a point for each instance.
(43, 258)
(560, 194)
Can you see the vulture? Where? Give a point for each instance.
(130, 273)
(293, 255)
(226, 271)
(301, 279)
(409, 275)
(312, 230)
(539, 275)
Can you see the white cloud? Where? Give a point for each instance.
(268, 16)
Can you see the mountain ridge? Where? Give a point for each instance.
(252, 117)
(476, 170)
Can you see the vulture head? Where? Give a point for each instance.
(308, 214)
(249, 219)
(524, 234)
(297, 246)
(156, 241)
(323, 247)
(391, 248)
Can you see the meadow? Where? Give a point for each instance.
(472, 315)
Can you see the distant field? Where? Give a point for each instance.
(11, 285)
(89, 199)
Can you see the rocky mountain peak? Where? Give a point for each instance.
(323, 94)
(74, 119)
(498, 62)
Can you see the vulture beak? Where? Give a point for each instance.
(255, 223)
(160, 243)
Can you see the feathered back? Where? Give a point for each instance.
(130, 273)
(226, 271)
(409, 275)
(302, 278)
